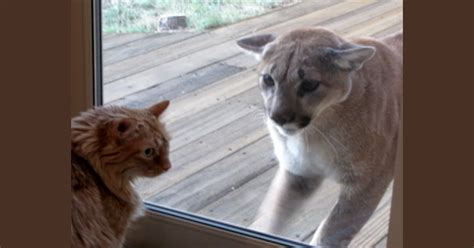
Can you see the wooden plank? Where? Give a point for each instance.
(242, 211)
(205, 151)
(390, 30)
(220, 178)
(214, 54)
(209, 39)
(345, 25)
(176, 87)
(120, 39)
(209, 95)
(242, 60)
(191, 128)
(143, 45)
(382, 23)
(382, 243)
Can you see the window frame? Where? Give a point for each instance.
(86, 92)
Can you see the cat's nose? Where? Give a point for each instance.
(282, 118)
(166, 165)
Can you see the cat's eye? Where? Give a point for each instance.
(148, 152)
(268, 80)
(309, 86)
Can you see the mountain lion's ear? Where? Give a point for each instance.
(352, 58)
(159, 108)
(256, 44)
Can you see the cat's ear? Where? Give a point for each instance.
(255, 45)
(352, 58)
(123, 125)
(159, 108)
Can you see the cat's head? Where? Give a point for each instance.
(303, 72)
(123, 143)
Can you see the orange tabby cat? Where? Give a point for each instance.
(111, 146)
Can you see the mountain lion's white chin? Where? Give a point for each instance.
(287, 129)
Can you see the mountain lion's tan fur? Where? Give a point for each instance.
(333, 109)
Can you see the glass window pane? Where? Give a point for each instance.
(221, 150)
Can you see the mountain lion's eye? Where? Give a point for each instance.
(268, 80)
(148, 152)
(308, 86)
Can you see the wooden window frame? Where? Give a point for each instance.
(85, 91)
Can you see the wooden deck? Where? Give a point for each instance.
(221, 152)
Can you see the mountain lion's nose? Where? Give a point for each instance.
(282, 118)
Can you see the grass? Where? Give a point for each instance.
(128, 16)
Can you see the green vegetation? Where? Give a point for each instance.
(126, 16)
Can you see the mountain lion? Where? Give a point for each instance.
(333, 111)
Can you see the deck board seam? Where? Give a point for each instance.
(174, 78)
(151, 36)
(151, 50)
(222, 127)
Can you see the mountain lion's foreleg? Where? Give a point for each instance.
(286, 194)
(355, 205)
